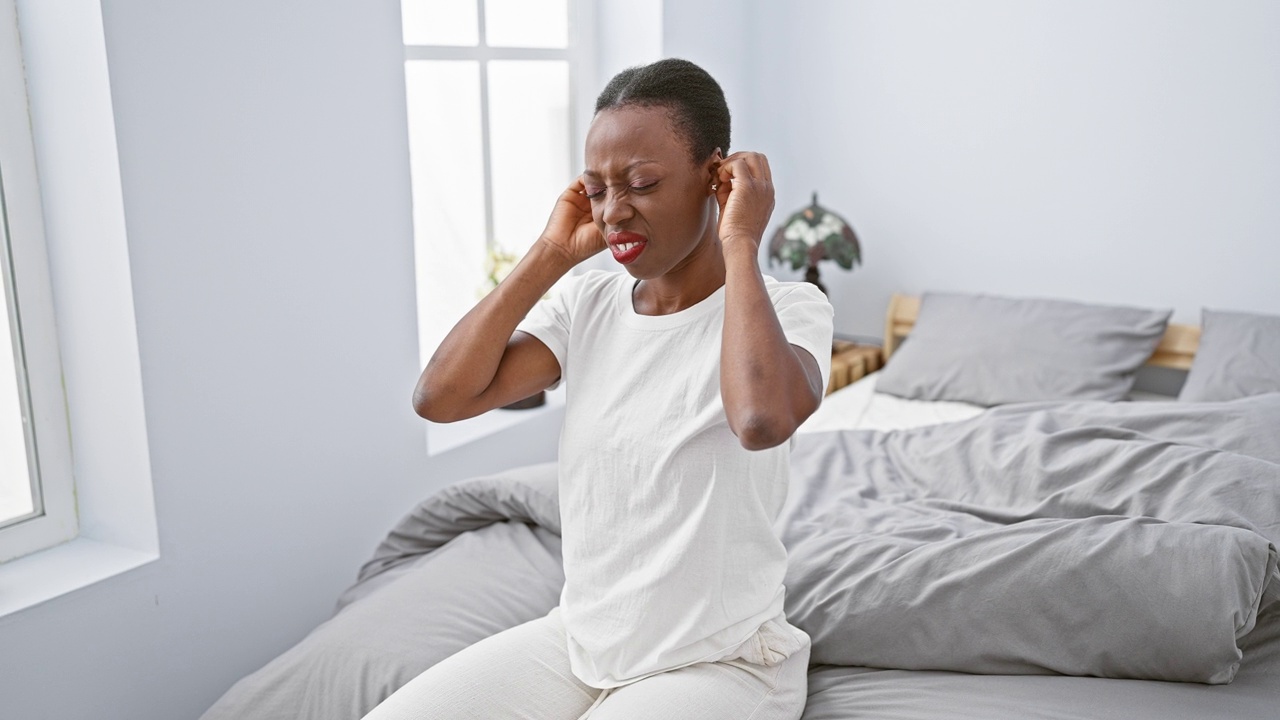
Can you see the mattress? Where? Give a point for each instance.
(859, 407)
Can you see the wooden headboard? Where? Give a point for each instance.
(1176, 349)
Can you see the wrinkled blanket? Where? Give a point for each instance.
(1131, 540)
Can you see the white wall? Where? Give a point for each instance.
(640, 23)
(722, 36)
(1111, 152)
(264, 163)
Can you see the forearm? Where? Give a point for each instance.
(465, 364)
(766, 390)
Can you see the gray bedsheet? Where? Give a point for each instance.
(483, 555)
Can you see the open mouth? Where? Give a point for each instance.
(626, 246)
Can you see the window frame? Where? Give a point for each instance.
(54, 519)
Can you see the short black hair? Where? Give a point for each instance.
(688, 92)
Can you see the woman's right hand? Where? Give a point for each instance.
(571, 229)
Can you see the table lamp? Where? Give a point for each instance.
(814, 234)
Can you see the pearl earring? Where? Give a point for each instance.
(713, 187)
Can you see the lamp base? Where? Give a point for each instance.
(811, 275)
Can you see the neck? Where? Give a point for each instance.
(685, 285)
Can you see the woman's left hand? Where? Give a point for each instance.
(745, 193)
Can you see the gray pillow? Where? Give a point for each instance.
(1239, 356)
(991, 350)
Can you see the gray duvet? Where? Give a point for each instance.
(956, 571)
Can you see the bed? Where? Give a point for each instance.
(1077, 558)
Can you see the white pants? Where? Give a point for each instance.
(523, 673)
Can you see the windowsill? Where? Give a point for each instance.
(442, 437)
(73, 127)
(34, 579)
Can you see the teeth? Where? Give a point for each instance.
(626, 246)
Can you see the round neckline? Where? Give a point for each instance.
(627, 310)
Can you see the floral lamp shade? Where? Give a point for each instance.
(812, 235)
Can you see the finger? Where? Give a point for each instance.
(724, 173)
(734, 161)
(724, 178)
(746, 165)
(759, 165)
(576, 194)
(723, 190)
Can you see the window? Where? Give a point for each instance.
(37, 502)
(490, 122)
(488, 88)
(67, 115)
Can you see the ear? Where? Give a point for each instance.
(713, 166)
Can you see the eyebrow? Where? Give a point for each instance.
(625, 170)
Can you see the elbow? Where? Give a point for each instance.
(429, 407)
(761, 432)
(432, 399)
(440, 401)
(423, 406)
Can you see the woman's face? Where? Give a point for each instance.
(653, 205)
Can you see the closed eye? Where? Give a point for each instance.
(593, 191)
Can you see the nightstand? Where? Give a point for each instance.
(850, 362)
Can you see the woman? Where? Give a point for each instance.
(686, 376)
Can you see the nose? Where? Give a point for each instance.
(616, 207)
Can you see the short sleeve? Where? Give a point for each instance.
(806, 317)
(549, 321)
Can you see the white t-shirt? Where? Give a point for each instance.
(670, 557)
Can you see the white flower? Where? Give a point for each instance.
(796, 229)
(828, 226)
(811, 235)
